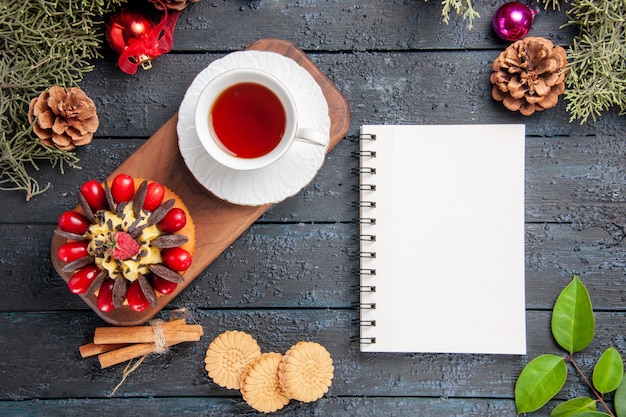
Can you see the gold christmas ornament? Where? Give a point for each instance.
(529, 75)
(172, 4)
(63, 118)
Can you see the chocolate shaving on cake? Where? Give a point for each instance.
(134, 224)
(169, 241)
(160, 212)
(78, 263)
(140, 197)
(119, 291)
(70, 236)
(100, 217)
(147, 290)
(85, 206)
(99, 247)
(110, 201)
(166, 273)
(97, 282)
(135, 231)
(120, 209)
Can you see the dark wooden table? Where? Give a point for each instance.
(291, 275)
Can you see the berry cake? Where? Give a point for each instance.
(128, 242)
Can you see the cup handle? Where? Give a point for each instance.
(312, 136)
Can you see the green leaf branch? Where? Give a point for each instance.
(573, 328)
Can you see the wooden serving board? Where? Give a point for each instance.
(218, 223)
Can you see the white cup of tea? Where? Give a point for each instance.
(246, 119)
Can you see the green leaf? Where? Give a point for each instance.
(590, 414)
(619, 400)
(608, 372)
(573, 323)
(573, 406)
(540, 380)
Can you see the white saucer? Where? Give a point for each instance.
(283, 178)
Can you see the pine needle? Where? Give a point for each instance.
(597, 78)
(463, 8)
(42, 43)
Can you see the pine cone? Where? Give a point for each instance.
(529, 75)
(63, 118)
(173, 4)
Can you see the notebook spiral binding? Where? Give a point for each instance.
(362, 203)
(365, 187)
(366, 204)
(363, 340)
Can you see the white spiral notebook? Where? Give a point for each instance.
(442, 239)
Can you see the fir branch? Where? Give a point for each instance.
(597, 78)
(555, 4)
(42, 43)
(462, 8)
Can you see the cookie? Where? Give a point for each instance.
(260, 386)
(306, 371)
(228, 356)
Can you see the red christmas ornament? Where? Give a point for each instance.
(127, 27)
(513, 20)
(138, 40)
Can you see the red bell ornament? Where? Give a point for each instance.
(138, 40)
(513, 20)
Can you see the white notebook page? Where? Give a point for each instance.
(449, 239)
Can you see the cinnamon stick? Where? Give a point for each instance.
(175, 329)
(91, 349)
(124, 354)
(115, 345)
(136, 350)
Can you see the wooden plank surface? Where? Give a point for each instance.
(565, 176)
(291, 275)
(180, 372)
(315, 266)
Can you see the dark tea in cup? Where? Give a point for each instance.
(248, 119)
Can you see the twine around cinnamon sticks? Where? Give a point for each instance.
(115, 345)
